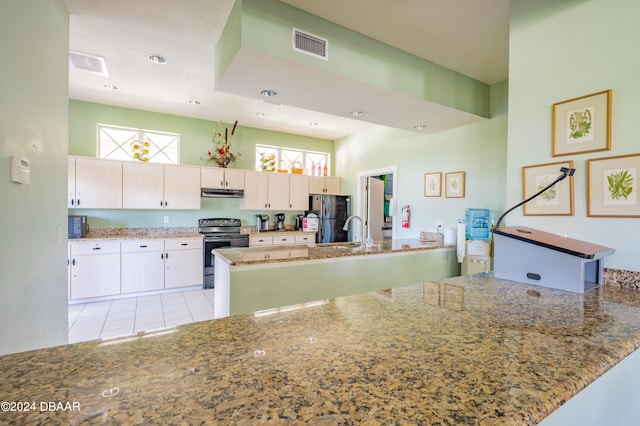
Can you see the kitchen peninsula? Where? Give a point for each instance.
(466, 350)
(258, 278)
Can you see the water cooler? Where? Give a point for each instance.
(474, 241)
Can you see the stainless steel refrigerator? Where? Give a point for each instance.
(333, 211)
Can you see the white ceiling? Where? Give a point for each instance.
(468, 36)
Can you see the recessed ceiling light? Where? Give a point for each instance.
(356, 112)
(157, 59)
(110, 87)
(268, 93)
(420, 126)
(194, 102)
(260, 114)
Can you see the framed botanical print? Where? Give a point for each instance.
(555, 201)
(433, 184)
(612, 186)
(582, 124)
(454, 185)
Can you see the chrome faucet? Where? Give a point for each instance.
(369, 242)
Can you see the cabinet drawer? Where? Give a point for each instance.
(256, 240)
(137, 246)
(96, 247)
(305, 239)
(284, 239)
(182, 243)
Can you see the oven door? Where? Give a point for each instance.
(212, 243)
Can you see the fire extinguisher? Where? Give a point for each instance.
(406, 216)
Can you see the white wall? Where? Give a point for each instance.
(560, 51)
(34, 41)
(478, 149)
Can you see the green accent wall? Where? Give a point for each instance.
(480, 150)
(195, 141)
(266, 27)
(560, 51)
(34, 41)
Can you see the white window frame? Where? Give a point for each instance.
(163, 147)
(283, 160)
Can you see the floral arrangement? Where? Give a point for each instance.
(222, 155)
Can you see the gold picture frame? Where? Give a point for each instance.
(612, 186)
(582, 124)
(454, 185)
(557, 200)
(433, 184)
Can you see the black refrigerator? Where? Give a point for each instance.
(333, 211)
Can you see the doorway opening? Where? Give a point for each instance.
(375, 202)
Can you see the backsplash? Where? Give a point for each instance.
(622, 278)
(139, 232)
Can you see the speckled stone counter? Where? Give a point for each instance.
(100, 234)
(468, 350)
(274, 254)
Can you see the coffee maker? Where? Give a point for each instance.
(279, 221)
(299, 219)
(262, 222)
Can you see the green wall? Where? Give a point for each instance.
(560, 51)
(34, 41)
(195, 141)
(478, 149)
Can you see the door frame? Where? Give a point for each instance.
(361, 197)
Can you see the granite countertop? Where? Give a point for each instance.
(289, 253)
(467, 350)
(105, 234)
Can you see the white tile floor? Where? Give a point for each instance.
(118, 317)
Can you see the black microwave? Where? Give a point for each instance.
(78, 227)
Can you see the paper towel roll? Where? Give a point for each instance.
(449, 236)
(461, 249)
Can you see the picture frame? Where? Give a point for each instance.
(453, 297)
(454, 185)
(431, 293)
(582, 124)
(433, 184)
(557, 200)
(612, 186)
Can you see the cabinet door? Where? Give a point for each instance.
(181, 187)
(234, 179)
(142, 185)
(255, 191)
(95, 275)
(316, 185)
(213, 177)
(142, 266)
(183, 268)
(71, 182)
(278, 191)
(332, 185)
(298, 192)
(98, 183)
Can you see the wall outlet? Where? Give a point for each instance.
(439, 224)
(166, 219)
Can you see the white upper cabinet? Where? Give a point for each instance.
(325, 185)
(157, 186)
(94, 183)
(220, 178)
(298, 192)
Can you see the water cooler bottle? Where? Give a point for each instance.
(474, 244)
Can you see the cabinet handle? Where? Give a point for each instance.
(166, 255)
(160, 203)
(221, 183)
(184, 244)
(72, 202)
(73, 262)
(96, 248)
(143, 246)
(161, 255)
(78, 202)
(165, 204)
(226, 183)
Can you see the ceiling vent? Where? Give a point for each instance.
(310, 44)
(90, 63)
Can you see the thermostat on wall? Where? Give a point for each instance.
(20, 170)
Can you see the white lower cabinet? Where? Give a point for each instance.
(142, 266)
(275, 239)
(94, 269)
(183, 263)
(133, 266)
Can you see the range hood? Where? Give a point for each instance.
(221, 193)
